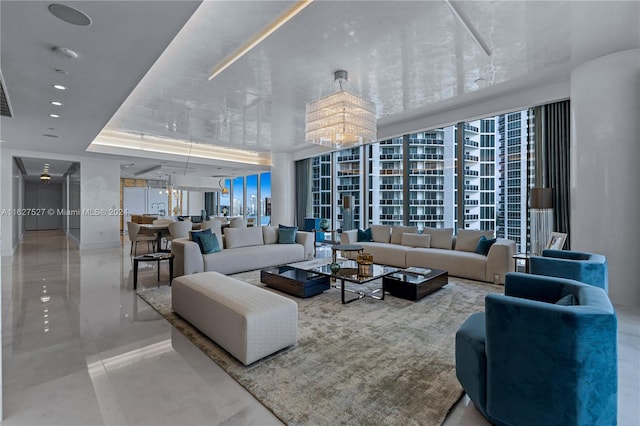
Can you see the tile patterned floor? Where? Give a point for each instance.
(80, 348)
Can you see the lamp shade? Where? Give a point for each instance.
(541, 198)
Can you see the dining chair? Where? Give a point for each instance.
(135, 236)
(238, 223)
(178, 230)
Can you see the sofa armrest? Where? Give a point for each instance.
(188, 258)
(500, 260)
(306, 239)
(349, 237)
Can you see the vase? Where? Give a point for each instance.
(335, 267)
(324, 224)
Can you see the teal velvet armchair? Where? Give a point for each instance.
(588, 268)
(544, 353)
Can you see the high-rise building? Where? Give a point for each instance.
(494, 180)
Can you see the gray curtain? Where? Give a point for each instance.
(553, 121)
(303, 193)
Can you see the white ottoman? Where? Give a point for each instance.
(247, 321)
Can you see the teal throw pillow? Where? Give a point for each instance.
(484, 244)
(567, 300)
(287, 235)
(208, 243)
(195, 235)
(365, 235)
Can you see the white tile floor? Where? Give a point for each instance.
(80, 348)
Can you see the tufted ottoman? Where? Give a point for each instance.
(247, 321)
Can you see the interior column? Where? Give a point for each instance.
(283, 194)
(605, 150)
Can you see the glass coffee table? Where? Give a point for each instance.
(349, 273)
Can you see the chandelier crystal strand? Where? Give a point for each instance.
(340, 120)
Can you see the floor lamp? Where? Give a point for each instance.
(541, 203)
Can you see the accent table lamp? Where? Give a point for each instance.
(541, 203)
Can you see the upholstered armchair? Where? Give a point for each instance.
(544, 353)
(588, 268)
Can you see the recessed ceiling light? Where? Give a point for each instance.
(59, 87)
(49, 135)
(61, 71)
(56, 103)
(69, 14)
(54, 116)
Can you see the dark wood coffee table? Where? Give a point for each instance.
(294, 281)
(412, 286)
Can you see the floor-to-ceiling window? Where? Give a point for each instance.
(252, 197)
(321, 187)
(225, 198)
(385, 182)
(265, 197)
(473, 174)
(237, 208)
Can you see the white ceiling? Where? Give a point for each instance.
(407, 57)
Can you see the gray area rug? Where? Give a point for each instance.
(370, 362)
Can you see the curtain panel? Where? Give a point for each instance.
(553, 121)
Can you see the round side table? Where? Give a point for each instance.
(153, 257)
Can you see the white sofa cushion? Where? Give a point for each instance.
(458, 263)
(381, 233)
(383, 253)
(467, 239)
(416, 240)
(252, 257)
(397, 231)
(440, 237)
(270, 234)
(243, 237)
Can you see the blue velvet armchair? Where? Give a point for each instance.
(534, 358)
(585, 267)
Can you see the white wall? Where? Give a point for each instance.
(196, 203)
(605, 152)
(2, 238)
(73, 203)
(100, 203)
(9, 240)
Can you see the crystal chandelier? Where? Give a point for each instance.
(340, 120)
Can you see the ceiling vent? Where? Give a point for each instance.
(5, 111)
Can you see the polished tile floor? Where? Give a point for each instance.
(80, 348)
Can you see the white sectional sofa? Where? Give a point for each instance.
(402, 247)
(244, 249)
